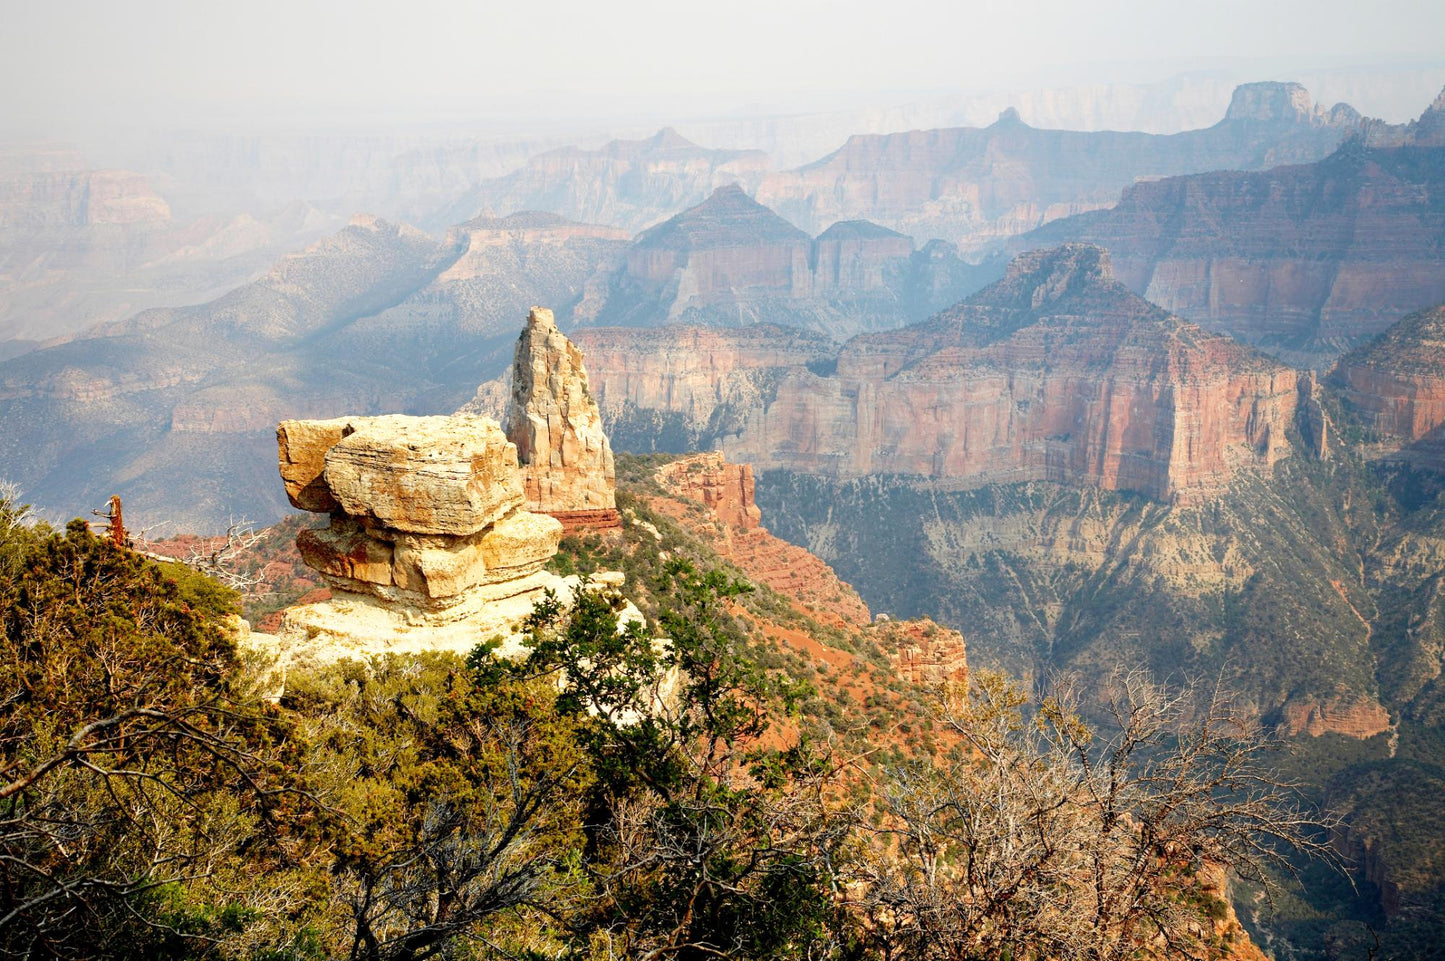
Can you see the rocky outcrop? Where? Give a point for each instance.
(429, 546)
(1305, 261)
(1055, 373)
(714, 500)
(923, 652)
(1396, 384)
(567, 467)
(730, 262)
(976, 186)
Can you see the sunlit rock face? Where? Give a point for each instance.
(429, 545)
(1055, 373)
(551, 418)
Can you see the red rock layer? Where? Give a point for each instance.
(1398, 382)
(723, 492)
(1056, 373)
(574, 522)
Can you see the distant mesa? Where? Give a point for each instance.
(976, 187)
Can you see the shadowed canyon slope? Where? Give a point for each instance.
(1055, 373)
(174, 409)
(975, 186)
(1306, 260)
(730, 262)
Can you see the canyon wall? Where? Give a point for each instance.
(1306, 261)
(976, 186)
(1055, 373)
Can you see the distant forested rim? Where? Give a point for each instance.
(609, 796)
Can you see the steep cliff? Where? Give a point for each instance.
(975, 186)
(1396, 383)
(730, 261)
(1305, 261)
(1055, 373)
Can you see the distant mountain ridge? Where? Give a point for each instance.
(730, 261)
(978, 186)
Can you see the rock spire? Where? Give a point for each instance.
(566, 461)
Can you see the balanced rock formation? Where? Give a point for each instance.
(566, 462)
(429, 546)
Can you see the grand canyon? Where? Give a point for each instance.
(622, 527)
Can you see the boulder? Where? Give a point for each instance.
(424, 475)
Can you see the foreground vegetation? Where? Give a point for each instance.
(613, 795)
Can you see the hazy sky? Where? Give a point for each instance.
(74, 63)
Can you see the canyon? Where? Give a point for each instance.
(1305, 261)
(1056, 372)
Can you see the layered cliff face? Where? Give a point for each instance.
(567, 468)
(174, 409)
(974, 186)
(676, 387)
(1305, 261)
(1396, 384)
(630, 184)
(1054, 373)
(730, 261)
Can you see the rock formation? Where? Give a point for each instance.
(1305, 261)
(429, 546)
(552, 419)
(1396, 384)
(730, 262)
(1055, 373)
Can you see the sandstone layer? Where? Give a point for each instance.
(1055, 373)
(554, 423)
(428, 545)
